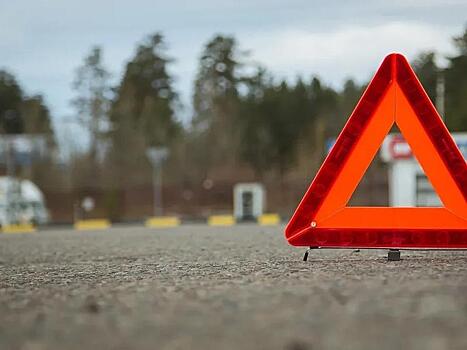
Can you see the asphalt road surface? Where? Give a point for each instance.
(242, 287)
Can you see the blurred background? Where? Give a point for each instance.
(126, 110)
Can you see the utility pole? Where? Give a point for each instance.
(157, 190)
(440, 92)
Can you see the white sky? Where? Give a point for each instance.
(43, 41)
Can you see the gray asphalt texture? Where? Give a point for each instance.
(242, 287)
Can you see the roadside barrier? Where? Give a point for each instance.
(162, 221)
(19, 228)
(92, 224)
(221, 220)
(270, 219)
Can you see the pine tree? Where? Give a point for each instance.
(456, 86)
(92, 99)
(216, 84)
(216, 103)
(146, 99)
(143, 111)
(11, 97)
(427, 71)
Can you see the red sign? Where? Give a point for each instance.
(399, 148)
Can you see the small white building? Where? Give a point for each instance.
(249, 201)
(408, 184)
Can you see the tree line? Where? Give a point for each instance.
(245, 123)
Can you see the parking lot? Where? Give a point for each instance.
(238, 287)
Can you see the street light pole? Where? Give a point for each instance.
(440, 92)
(156, 156)
(157, 189)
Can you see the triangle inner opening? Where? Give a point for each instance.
(395, 178)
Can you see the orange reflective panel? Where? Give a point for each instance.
(394, 96)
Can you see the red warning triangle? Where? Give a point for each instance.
(322, 218)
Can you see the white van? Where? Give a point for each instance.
(21, 201)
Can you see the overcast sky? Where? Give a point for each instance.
(43, 41)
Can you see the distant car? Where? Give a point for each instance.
(21, 201)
